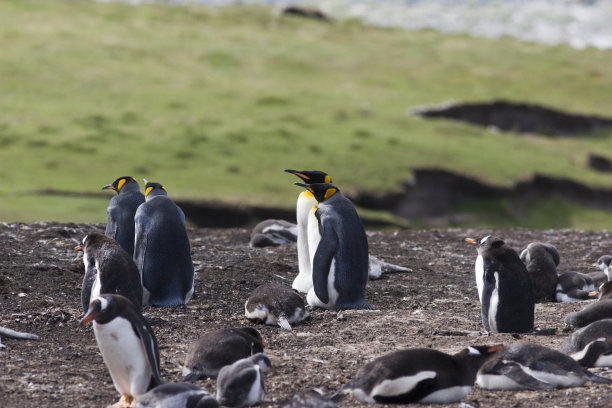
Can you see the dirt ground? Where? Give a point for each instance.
(434, 306)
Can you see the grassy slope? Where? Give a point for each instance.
(215, 103)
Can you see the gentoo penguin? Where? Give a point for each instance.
(340, 263)
(575, 286)
(541, 260)
(108, 269)
(121, 210)
(307, 228)
(603, 263)
(161, 250)
(417, 375)
(127, 344)
(605, 291)
(591, 346)
(241, 384)
(532, 367)
(273, 233)
(219, 348)
(599, 310)
(504, 287)
(312, 398)
(273, 303)
(176, 395)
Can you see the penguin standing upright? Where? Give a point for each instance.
(121, 211)
(541, 260)
(340, 264)
(127, 344)
(162, 251)
(241, 384)
(504, 287)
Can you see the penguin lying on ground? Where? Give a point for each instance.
(605, 290)
(208, 354)
(127, 344)
(273, 233)
(574, 287)
(541, 260)
(595, 311)
(504, 287)
(312, 398)
(176, 395)
(591, 346)
(533, 367)
(417, 375)
(241, 384)
(121, 211)
(273, 303)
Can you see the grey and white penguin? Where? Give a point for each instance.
(591, 346)
(603, 264)
(241, 384)
(176, 395)
(312, 398)
(127, 344)
(273, 233)
(522, 366)
(574, 287)
(121, 211)
(162, 251)
(340, 263)
(417, 375)
(216, 349)
(541, 260)
(605, 290)
(108, 269)
(504, 287)
(274, 303)
(599, 310)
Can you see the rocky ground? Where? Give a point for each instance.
(434, 306)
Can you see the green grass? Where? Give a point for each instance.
(215, 102)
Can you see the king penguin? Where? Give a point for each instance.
(417, 375)
(273, 303)
(574, 287)
(162, 251)
(241, 384)
(541, 260)
(176, 395)
(127, 344)
(121, 211)
(340, 263)
(108, 269)
(591, 346)
(504, 287)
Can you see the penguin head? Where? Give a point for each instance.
(105, 308)
(320, 191)
(118, 184)
(91, 240)
(311, 176)
(604, 262)
(473, 357)
(154, 189)
(262, 361)
(486, 243)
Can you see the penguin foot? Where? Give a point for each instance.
(302, 283)
(125, 401)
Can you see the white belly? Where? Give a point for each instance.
(313, 300)
(493, 305)
(303, 281)
(479, 274)
(446, 395)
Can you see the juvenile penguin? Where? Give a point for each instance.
(603, 263)
(504, 287)
(417, 375)
(273, 303)
(127, 344)
(108, 269)
(591, 346)
(605, 291)
(161, 250)
(312, 398)
(208, 354)
(532, 367)
(541, 260)
(241, 384)
(599, 310)
(176, 395)
(575, 286)
(273, 233)
(340, 263)
(121, 211)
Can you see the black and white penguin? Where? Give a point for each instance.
(121, 211)
(532, 367)
(313, 398)
(214, 350)
(504, 287)
(273, 303)
(176, 395)
(340, 263)
(599, 310)
(591, 346)
(162, 251)
(417, 375)
(108, 269)
(241, 384)
(127, 344)
(273, 233)
(574, 287)
(603, 263)
(541, 260)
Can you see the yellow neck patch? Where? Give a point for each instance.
(120, 184)
(327, 179)
(330, 192)
(308, 194)
(148, 190)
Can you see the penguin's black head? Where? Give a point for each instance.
(604, 261)
(155, 188)
(311, 176)
(90, 240)
(119, 183)
(486, 243)
(320, 191)
(105, 308)
(473, 357)
(262, 361)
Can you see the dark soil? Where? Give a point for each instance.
(434, 306)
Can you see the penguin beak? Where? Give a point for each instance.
(593, 294)
(89, 317)
(471, 241)
(78, 248)
(495, 348)
(109, 187)
(306, 186)
(297, 173)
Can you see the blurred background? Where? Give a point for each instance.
(426, 114)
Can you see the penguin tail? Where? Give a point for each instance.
(596, 378)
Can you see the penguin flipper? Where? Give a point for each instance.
(88, 282)
(144, 331)
(140, 248)
(283, 322)
(111, 225)
(596, 378)
(322, 262)
(514, 372)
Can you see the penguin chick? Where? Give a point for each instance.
(340, 264)
(273, 304)
(108, 269)
(504, 287)
(312, 398)
(603, 263)
(417, 375)
(591, 346)
(575, 286)
(161, 250)
(605, 291)
(273, 233)
(590, 313)
(208, 354)
(121, 210)
(241, 384)
(533, 367)
(541, 260)
(127, 344)
(176, 395)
